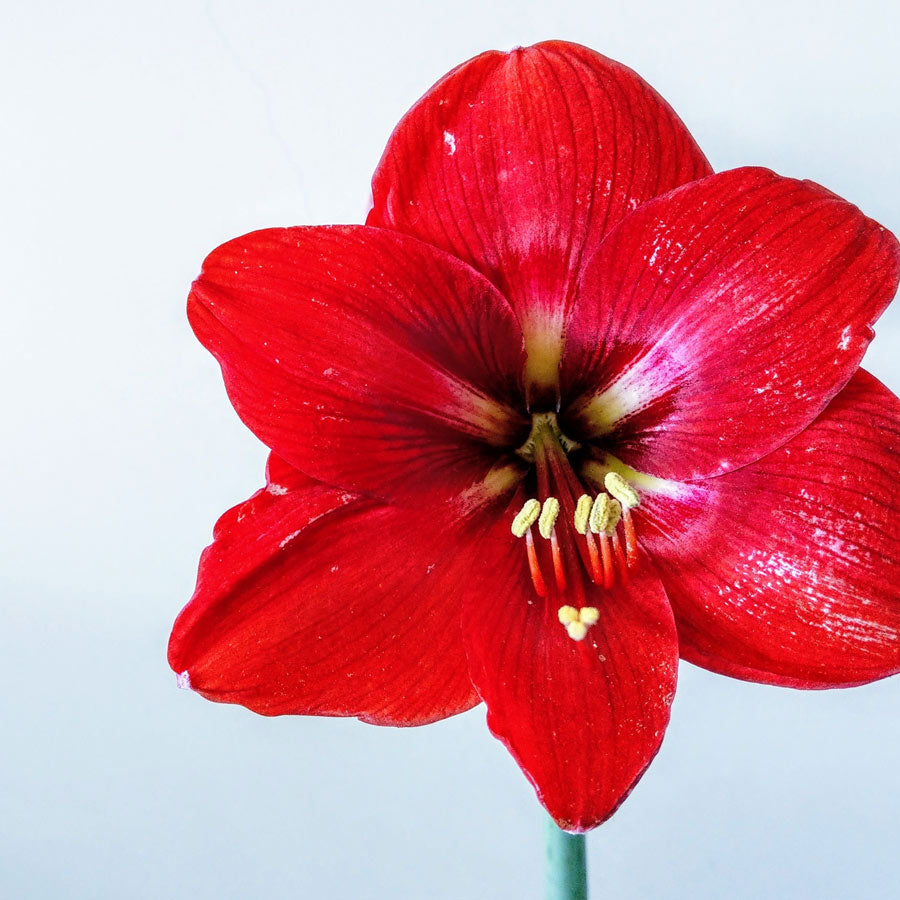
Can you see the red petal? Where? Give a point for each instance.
(281, 477)
(363, 357)
(520, 162)
(785, 571)
(311, 601)
(716, 322)
(582, 718)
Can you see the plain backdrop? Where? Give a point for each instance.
(136, 137)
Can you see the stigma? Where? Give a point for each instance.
(577, 621)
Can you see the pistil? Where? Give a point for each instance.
(577, 621)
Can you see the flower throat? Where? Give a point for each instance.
(574, 524)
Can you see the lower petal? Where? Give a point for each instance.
(583, 718)
(312, 601)
(785, 571)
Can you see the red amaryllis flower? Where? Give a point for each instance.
(568, 406)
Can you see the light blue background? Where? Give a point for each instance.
(135, 138)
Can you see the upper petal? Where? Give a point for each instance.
(311, 600)
(582, 718)
(363, 357)
(786, 571)
(520, 162)
(716, 322)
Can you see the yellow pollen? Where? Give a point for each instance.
(583, 513)
(526, 517)
(549, 514)
(605, 514)
(621, 490)
(577, 621)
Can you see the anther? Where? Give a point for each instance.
(526, 517)
(583, 513)
(621, 490)
(605, 515)
(549, 515)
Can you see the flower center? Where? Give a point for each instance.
(579, 529)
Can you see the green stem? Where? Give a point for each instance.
(566, 864)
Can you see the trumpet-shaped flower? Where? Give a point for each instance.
(567, 407)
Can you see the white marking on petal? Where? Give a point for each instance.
(290, 537)
(645, 380)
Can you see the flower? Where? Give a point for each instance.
(568, 406)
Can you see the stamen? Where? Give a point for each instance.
(583, 508)
(594, 556)
(537, 578)
(631, 544)
(549, 515)
(558, 569)
(526, 517)
(620, 556)
(521, 527)
(583, 513)
(609, 573)
(605, 515)
(629, 498)
(621, 490)
(547, 528)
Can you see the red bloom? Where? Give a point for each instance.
(569, 405)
